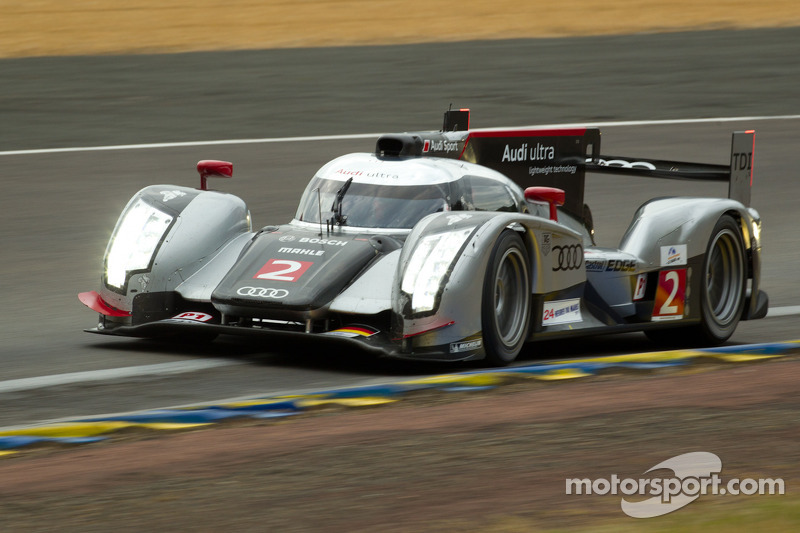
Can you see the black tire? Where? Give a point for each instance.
(722, 290)
(506, 304)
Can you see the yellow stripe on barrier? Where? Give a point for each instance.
(171, 425)
(346, 402)
(741, 357)
(90, 429)
(304, 400)
(673, 355)
(80, 429)
(561, 373)
(433, 380)
(474, 380)
(651, 357)
(6, 453)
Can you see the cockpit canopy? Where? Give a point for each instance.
(368, 205)
(403, 192)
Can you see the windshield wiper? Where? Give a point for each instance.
(338, 218)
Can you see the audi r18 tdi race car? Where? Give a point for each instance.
(451, 245)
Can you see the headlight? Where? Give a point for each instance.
(429, 263)
(134, 242)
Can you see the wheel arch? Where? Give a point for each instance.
(682, 221)
(756, 301)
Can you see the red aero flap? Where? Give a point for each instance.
(93, 301)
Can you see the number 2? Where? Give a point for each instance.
(670, 295)
(668, 308)
(283, 270)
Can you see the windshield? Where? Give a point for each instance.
(374, 206)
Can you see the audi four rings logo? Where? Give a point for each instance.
(263, 292)
(569, 257)
(641, 165)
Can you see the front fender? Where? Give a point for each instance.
(457, 315)
(203, 223)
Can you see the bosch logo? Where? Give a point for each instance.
(262, 292)
(569, 257)
(332, 242)
(286, 238)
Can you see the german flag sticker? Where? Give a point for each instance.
(353, 331)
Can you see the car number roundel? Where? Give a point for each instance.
(283, 270)
(670, 295)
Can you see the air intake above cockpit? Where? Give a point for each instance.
(399, 145)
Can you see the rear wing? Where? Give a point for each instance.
(738, 174)
(560, 157)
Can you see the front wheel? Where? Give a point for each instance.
(505, 312)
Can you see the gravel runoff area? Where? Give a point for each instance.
(51, 27)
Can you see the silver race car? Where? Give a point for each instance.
(452, 245)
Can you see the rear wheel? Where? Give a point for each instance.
(722, 290)
(505, 312)
(724, 282)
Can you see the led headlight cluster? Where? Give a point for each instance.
(429, 263)
(134, 241)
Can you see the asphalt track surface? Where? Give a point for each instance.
(57, 209)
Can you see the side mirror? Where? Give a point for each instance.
(550, 195)
(213, 169)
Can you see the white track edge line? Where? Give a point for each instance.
(375, 135)
(788, 310)
(175, 367)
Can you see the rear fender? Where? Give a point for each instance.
(660, 225)
(669, 222)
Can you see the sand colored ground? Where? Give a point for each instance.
(53, 27)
